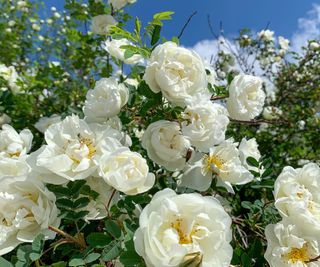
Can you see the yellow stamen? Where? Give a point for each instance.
(298, 254)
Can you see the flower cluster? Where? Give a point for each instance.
(27, 207)
(295, 240)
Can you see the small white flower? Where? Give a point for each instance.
(101, 24)
(289, 247)
(21, 4)
(223, 161)
(105, 100)
(36, 27)
(205, 123)
(177, 72)
(283, 43)
(126, 171)
(113, 47)
(246, 97)
(57, 15)
(13, 144)
(166, 145)
(11, 76)
(314, 45)
(296, 193)
(27, 209)
(118, 4)
(174, 228)
(11, 23)
(266, 35)
(271, 113)
(45, 122)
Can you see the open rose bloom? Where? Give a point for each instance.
(174, 227)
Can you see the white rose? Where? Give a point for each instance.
(166, 145)
(288, 246)
(45, 122)
(72, 152)
(126, 171)
(105, 100)
(314, 45)
(101, 24)
(249, 148)
(296, 193)
(271, 113)
(174, 228)
(118, 4)
(97, 207)
(177, 72)
(27, 209)
(266, 35)
(13, 144)
(246, 97)
(11, 76)
(223, 161)
(205, 123)
(113, 47)
(283, 43)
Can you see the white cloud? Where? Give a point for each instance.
(208, 49)
(308, 28)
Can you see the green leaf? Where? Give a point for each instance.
(98, 240)
(38, 243)
(5, 263)
(81, 203)
(252, 162)
(166, 15)
(113, 228)
(59, 264)
(64, 203)
(130, 258)
(92, 257)
(75, 187)
(155, 34)
(266, 173)
(111, 251)
(77, 262)
(245, 260)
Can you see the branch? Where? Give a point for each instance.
(257, 122)
(218, 97)
(313, 260)
(67, 236)
(186, 24)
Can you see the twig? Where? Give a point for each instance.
(313, 260)
(109, 201)
(257, 122)
(186, 24)
(67, 236)
(218, 97)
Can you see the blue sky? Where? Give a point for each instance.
(289, 18)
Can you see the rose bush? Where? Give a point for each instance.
(130, 150)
